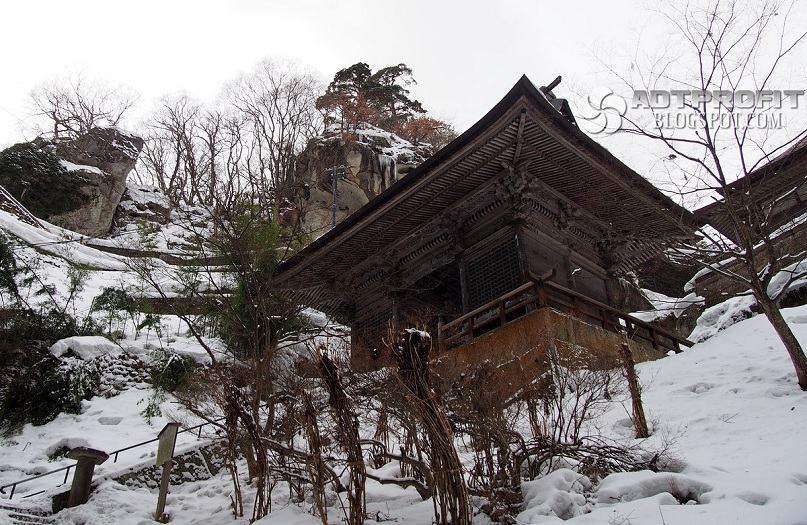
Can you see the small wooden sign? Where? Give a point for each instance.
(165, 453)
(168, 439)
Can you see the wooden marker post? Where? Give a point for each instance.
(639, 420)
(165, 453)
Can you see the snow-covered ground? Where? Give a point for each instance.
(729, 407)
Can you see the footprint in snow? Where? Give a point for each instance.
(700, 388)
(754, 498)
(780, 391)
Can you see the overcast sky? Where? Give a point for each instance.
(465, 54)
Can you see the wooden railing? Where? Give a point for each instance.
(540, 292)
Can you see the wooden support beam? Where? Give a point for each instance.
(520, 135)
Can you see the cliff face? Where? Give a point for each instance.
(75, 184)
(367, 161)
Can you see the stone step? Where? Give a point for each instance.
(14, 515)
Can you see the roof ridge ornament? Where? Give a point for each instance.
(561, 105)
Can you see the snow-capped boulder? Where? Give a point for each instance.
(85, 347)
(630, 486)
(103, 157)
(76, 184)
(142, 203)
(111, 150)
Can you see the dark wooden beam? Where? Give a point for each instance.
(520, 135)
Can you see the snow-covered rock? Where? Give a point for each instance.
(630, 486)
(141, 202)
(559, 494)
(85, 347)
(371, 161)
(76, 184)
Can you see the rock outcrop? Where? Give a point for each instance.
(367, 161)
(104, 156)
(75, 184)
(142, 203)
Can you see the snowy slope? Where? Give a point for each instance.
(737, 417)
(729, 405)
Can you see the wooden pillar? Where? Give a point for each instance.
(160, 515)
(639, 420)
(466, 299)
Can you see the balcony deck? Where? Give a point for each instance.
(541, 293)
(514, 333)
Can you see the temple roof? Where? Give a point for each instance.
(783, 178)
(525, 135)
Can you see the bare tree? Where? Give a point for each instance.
(72, 106)
(277, 103)
(242, 148)
(722, 52)
(185, 150)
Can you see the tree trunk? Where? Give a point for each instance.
(792, 345)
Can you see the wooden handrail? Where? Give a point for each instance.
(534, 279)
(489, 306)
(617, 313)
(540, 283)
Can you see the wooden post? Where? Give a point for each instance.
(541, 295)
(441, 336)
(161, 516)
(639, 420)
(165, 453)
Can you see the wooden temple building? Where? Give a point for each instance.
(769, 197)
(508, 239)
(770, 202)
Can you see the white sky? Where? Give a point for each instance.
(465, 55)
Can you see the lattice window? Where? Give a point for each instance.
(493, 274)
(368, 333)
